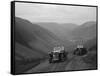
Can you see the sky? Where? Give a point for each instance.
(55, 13)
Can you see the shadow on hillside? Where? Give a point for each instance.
(23, 65)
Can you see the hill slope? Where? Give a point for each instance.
(60, 30)
(32, 44)
(33, 37)
(84, 31)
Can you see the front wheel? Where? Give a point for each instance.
(50, 60)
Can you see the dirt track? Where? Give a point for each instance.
(72, 63)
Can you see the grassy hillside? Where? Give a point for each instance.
(33, 36)
(91, 43)
(32, 43)
(84, 31)
(91, 57)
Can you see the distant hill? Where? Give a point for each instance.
(60, 30)
(84, 31)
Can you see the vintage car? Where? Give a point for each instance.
(80, 50)
(57, 55)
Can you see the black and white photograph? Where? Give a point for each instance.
(50, 37)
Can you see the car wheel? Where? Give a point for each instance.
(50, 61)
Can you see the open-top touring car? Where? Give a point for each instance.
(57, 55)
(80, 50)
